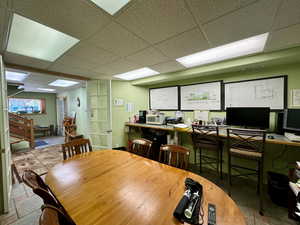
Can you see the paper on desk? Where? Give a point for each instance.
(296, 97)
(201, 115)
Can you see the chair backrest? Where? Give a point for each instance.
(75, 147)
(54, 216)
(206, 137)
(246, 139)
(38, 186)
(141, 147)
(174, 155)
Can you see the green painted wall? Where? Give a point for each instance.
(42, 119)
(130, 94)
(277, 158)
(81, 111)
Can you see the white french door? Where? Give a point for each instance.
(99, 108)
(5, 162)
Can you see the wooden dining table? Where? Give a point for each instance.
(111, 187)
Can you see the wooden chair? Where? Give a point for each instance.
(207, 137)
(70, 129)
(249, 145)
(38, 186)
(174, 155)
(141, 147)
(54, 216)
(75, 147)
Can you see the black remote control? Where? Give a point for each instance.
(211, 214)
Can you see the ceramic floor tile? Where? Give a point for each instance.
(28, 205)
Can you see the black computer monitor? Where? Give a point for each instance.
(252, 117)
(291, 120)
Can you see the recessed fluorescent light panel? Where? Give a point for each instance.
(136, 74)
(232, 50)
(111, 6)
(63, 83)
(15, 76)
(46, 89)
(36, 40)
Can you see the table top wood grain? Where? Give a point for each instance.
(111, 187)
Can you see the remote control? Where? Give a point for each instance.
(211, 214)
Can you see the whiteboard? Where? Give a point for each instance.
(205, 96)
(164, 98)
(269, 92)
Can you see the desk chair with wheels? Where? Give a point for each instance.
(250, 145)
(207, 137)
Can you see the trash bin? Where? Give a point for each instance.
(278, 186)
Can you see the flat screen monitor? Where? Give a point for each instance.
(292, 120)
(252, 117)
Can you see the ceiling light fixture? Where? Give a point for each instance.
(15, 76)
(232, 50)
(36, 40)
(111, 6)
(136, 74)
(63, 83)
(46, 89)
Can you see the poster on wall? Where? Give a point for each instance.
(204, 96)
(165, 98)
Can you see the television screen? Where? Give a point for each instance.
(292, 119)
(252, 117)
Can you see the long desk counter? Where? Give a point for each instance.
(278, 139)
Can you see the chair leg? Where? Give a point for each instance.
(258, 179)
(229, 174)
(261, 189)
(195, 156)
(218, 161)
(221, 163)
(200, 162)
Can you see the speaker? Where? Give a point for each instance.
(279, 123)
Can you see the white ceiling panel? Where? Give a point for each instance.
(288, 14)
(116, 39)
(167, 67)
(284, 38)
(25, 61)
(74, 17)
(157, 20)
(90, 53)
(184, 44)
(254, 19)
(207, 10)
(148, 56)
(119, 66)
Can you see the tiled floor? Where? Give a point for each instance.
(25, 206)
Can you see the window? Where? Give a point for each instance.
(26, 106)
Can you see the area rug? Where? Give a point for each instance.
(38, 160)
(40, 143)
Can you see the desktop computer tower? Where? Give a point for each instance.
(279, 123)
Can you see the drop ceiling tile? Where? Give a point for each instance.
(254, 19)
(157, 20)
(207, 10)
(90, 53)
(288, 14)
(76, 18)
(25, 61)
(116, 39)
(72, 61)
(184, 44)
(119, 66)
(3, 4)
(148, 56)
(167, 67)
(284, 38)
